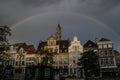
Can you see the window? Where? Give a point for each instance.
(101, 52)
(17, 56)
(60, 61)
(110, 52)
(112, 61)
(56, 50)
(65, 60)
(100, 46)
(109, 45)
(71, 70)
(105, 52)
(74, 61)
(74, 70)
(104, 46)
(55, 60)
(75, 48)
(101, 61)
(20, 63)
(50, 49)
(16, 63)
(106, 61)
(22, 57)
(23, 63)
(37, 72)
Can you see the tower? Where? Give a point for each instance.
(58, 32)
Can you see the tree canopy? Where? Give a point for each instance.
(4, 32)
(89, 61)
(46, 57)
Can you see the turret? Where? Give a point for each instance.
(58, 32)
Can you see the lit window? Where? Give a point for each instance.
(109, 45)
(104, 46)
(100, 46)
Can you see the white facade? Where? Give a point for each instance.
(31, 60)
(20, 60)
(75, 52)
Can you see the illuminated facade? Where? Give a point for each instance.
(75, 52)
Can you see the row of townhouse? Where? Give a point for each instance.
(69, 51)
(20, 56)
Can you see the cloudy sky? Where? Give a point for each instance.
(35, 20)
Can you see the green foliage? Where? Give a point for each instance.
(4, 32)
(46, 57)
(90, 63)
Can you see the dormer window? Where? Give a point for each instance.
(90, 45)
(11, 48)
(21, 51)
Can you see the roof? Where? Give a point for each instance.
(59, 26)
(41, 45)
(30, 49)
(104, 39)
(63, 45)
(51, 37)
(90, 44)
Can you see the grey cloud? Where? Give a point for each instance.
(106, 11)
(39, 2)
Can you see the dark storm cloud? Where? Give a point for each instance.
(39, 2)
(20, 9)
(106, 11)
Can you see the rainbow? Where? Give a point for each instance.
(68, 13)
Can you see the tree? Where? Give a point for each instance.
(90, 63)
(46, 57)
(4, 32)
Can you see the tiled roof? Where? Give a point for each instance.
(104, 39)
(63, 45)
(41, 45)
(89, 44)
(28, 48)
